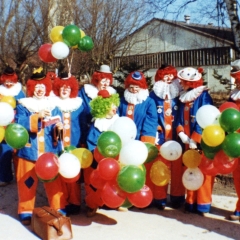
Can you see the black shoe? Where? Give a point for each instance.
(233, 217)
(176, 205)
(73, 209)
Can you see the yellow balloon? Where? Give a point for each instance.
(213, 135)
(191, 158)
(84, 156)
(82, 33)
(56, 34)
(10, 100)
(2, 133)
(160, 174)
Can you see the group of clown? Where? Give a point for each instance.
(127, 150)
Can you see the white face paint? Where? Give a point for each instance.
(168, 78)
(65, 92)
(134, 88)
(112, 111)
(8, 84)
(103, 84)
(39, 91)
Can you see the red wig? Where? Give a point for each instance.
(165, 70)
(70, 82)
(136, 78)
(236, 75)
(31, 83)
(98, 76)
(9, 75)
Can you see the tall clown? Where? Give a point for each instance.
(34, 112)
(65, 87)
(194, 96)
(10, 87)
(235, 97)
(101, 80)
(165, 93)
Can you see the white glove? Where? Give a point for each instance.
(185, 139)
(192, 144)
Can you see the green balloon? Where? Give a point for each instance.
(231, 145)
(85, 44)
(68, 149)
(71, 35)
(152, 152)
(209, 151)
(16, 136)
(230, 120)
(109, 144)
(131, 178)
(126, 204)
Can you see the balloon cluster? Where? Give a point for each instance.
(68, 164)
(220, 141)
(15, 135)
(120, 174)
(64, 38)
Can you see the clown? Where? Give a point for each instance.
(104, 111)
(235, 97)
(101, 80)
(194, 96)
(66, 89)
(35, 113)
(10, 87)
(165, 93)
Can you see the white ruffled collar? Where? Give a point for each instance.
(68, 104)
(136, 98)
(92, 91)
(36, 105)
(13, 91)
(235, 94)
(190, 96)
(163, 90)
(103, 124)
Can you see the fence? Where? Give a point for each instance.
(196, 57)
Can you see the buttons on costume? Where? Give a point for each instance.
(168, 112)
(186, 108)
(66, 121)
(159, 110)
(66, 139)
(168, 127)
(186, 122)
(66, 126)
(41, 139)
(67, 115)
(130, 112)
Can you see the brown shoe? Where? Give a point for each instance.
(233, 217)
(26, 222)
(91, 212)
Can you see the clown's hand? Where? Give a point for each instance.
(192, 144)
(185, 139)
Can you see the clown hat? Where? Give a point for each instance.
(38, 74)
(104, 69)
(235, 66)
(190, 74)
(9, 75)
(136, 78)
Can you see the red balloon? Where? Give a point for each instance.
(223, 163)
(97, 155)
(141, 198)
(108, 168)
(112, 195)
(96, 180)
(71, 180)
(207, 167)
(227, 105)
(47, 166)
(45, 54)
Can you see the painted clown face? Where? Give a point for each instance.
(8, 83)
(168, 78)
(103, 84)
(39, 91)
(134, 88)
(65, 92)
(112, 111)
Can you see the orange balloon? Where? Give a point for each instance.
(213, 135)
(191, 158)
(56, 34)
(10, 100)
(2, 133)
(159, 173)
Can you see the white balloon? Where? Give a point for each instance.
(207, 115)
(133, 153)
(171, 150)
(125, 128)
(192, 178)
(6, 114)
(69, 165)
(60, 50)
